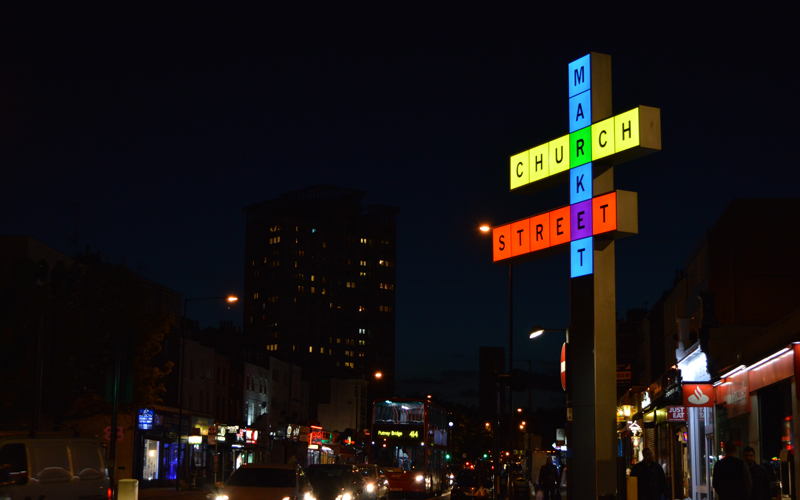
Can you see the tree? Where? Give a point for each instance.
(80, 311)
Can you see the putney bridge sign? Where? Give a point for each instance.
(587, 227)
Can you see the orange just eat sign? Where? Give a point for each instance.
(549, 232)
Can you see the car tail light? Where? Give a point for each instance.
(108, 493)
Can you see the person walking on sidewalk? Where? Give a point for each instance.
(651, 483)
(758, 476)
(548, 480)
(731, 477)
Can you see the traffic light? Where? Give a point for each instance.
(447, 456)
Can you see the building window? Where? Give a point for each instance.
(274, 239)
(351, 284)
(363, 262)
(364, 241)
(387, 286)
(362, 331)
(385, 308)
(255, 295)
(275, 229)
(310, 349)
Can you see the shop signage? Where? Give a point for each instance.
(676, 414)
(318, 436)
(698, 395)
(250, 436)
(595, 142)
(694, 367)
(645, 400)
(146, 416)
(673, 394)
(735, 394)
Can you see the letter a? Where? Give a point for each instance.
(579, 113)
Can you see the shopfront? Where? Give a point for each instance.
(757, 407)
(156, 452)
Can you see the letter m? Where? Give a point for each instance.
(579, 76)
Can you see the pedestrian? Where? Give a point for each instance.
(758, 476)
(651, 483)
(731, 477)
(548, 480)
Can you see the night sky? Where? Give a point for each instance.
(162, 124)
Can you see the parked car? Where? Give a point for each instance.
(267, 482)
(470, 483)
(377, 486)
(52, 466)
(336, 482)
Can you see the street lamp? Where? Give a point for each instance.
(230, 299)
(539, 329)
(486, 228)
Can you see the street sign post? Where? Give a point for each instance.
(587, 228)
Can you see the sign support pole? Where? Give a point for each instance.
(587, 228)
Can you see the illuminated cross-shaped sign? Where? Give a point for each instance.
(596, 142)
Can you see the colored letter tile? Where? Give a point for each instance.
(580, 147)
(603, 139)
(580, 111)
(581, 256)
(519, 170)
(580, 183)
(501, 242)
(539, 162)
(580, 75)
(540, 232)
(559, 154)
(520, 237)
(604, 213)
(626, 130)
(559, 226)
(581, 220)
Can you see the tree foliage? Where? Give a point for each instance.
(79, 312)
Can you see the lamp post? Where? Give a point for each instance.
(535, 332)
(230, 299)
(485, 228)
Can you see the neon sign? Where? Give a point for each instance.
(616, 139)
(596, 142)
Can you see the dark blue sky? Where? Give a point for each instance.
(163, 123)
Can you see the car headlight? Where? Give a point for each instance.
(308, 496)
(221, 497)
(419, 478)
(345, 496)
(370, 487)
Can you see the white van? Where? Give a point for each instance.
(51, 467)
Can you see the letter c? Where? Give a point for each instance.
(519, 174)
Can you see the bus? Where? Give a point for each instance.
(409, 443)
